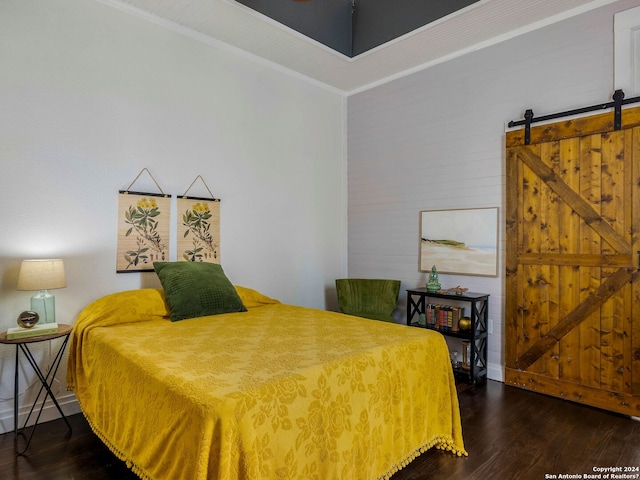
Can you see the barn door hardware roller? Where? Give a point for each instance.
(618, 101)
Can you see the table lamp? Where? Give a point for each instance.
(42, 275)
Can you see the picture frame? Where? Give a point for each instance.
(460, 241)
(198, 226)
(143, 230)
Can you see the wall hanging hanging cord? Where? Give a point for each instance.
(184, 195)
(618, 101)
(145, 169)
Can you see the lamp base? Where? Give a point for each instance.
(45, 304)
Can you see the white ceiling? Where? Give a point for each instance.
(230, 24)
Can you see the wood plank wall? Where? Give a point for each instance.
(435, 140)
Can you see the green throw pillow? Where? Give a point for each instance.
(196, 289)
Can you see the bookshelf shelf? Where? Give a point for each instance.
(419, 302)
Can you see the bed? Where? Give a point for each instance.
(272, 391)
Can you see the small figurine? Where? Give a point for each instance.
(433, 285)
(459, 290)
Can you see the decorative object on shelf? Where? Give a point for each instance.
(457, 290)
(461, 241)
(422, 320)
(433, 285)
(42, 275)
(28, 319)
(198, 227)
(464, 324)
(143, 228)
(455, 362)
(466, 354)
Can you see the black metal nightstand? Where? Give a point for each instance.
(46, 379)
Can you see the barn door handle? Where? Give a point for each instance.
(638, 252)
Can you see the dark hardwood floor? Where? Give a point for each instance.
(509, 433)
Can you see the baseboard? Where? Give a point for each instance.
(495, 372)
(67, 402)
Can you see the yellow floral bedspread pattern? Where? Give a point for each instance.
(277, 392)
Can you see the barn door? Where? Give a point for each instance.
(572, 306)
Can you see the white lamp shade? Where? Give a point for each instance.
(42, 275)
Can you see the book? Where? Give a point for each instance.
(16, 333)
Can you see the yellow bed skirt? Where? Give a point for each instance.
(277, 392)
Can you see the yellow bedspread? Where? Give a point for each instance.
(277, 392)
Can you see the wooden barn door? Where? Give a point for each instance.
(572, 306)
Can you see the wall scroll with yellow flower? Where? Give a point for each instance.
(198, 230)
(143, 231)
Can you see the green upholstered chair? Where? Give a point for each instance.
(368, 298)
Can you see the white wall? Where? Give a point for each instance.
(435, 140)
(89, 95)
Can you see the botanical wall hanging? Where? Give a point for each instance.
(143, 228)
(198, 227)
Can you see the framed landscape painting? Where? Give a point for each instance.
(461, 241)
